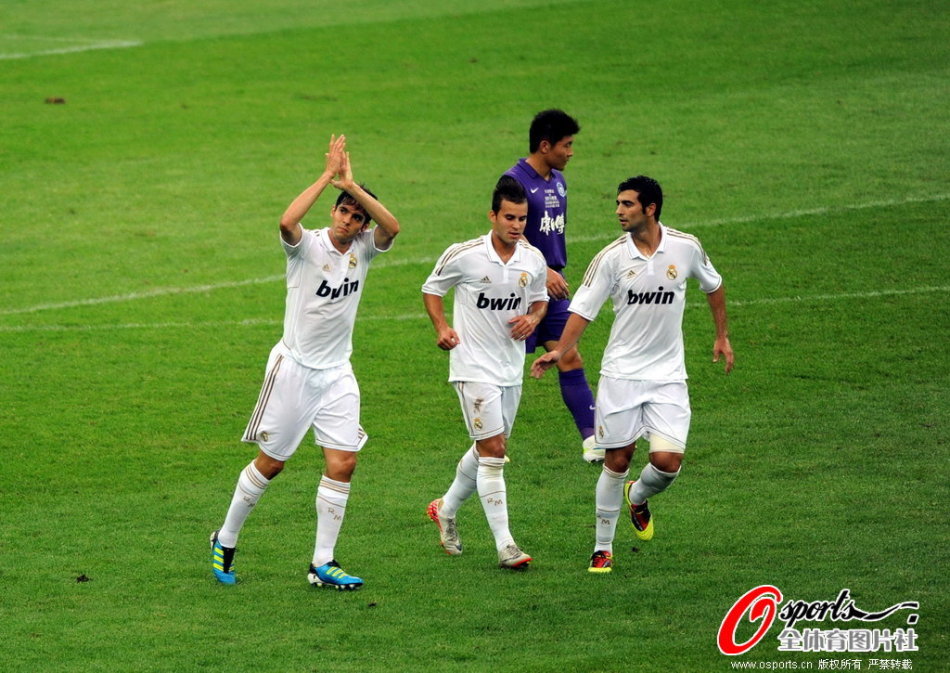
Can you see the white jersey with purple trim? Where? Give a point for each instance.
(324, 287)
(488, 293)
(649, 297)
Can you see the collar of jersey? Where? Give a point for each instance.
(529, 169)
(324, 235)
(493, 256)
(635, 251)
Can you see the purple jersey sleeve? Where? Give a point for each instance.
(547, 211)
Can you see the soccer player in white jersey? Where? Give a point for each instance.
(500, 298)
(642, 389)
(309, 382)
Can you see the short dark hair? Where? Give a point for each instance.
(648, 190)
(507, 189)
(551, 125)
(348, 198)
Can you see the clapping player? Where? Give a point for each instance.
(309, 383)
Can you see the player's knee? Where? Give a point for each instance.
(570, 361)
(618, 460)
(341, 465)
(267, 466)
(667, 462)
(664, 455)
(492, 447)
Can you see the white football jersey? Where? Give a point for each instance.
(488, 293)
(324, 287)
(649, 297)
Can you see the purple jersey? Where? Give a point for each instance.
(547, 211)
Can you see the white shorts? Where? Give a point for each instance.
(627, 410)
(488, 409)
(295, 398)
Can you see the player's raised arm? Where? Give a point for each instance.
(447, 338)
(721, 347)
(290, 221)
(572, 333)
(387, 225)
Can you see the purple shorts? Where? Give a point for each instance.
(551, 327)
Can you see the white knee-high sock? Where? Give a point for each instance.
(494, 497)
(331, 506)
(250, 487)
(465, 483)
(651, 482)
(608, 497)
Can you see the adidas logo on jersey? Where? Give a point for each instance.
(348, 287)
(658, 297)
(486, 279)
(509, 303)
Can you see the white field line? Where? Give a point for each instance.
(77, 45)
(387, 261)
(823, 210)
(132, 296)
(255, 322)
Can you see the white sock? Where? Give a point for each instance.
(331, 506)
(466, 481)
(250, 487)
(608, 497)
(494, 497)
(651, 482)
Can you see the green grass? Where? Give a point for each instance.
(805, 143)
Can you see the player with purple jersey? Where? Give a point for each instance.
(551, 141)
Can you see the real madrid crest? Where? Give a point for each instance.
(671, 272)
(352, 261)
(477, 423)
(523, 280)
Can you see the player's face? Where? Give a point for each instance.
(508, 223)
(348, 221)
(560, 153)
(630, 212)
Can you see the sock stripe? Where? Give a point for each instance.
(255, 477)
(336, 487)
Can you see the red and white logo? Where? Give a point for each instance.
(758, 604)
(762, 606)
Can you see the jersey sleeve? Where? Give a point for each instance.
(538, 290)
(372, 242)
(446, 274)
(302, 244)
(704, 271)
(368, 249)
(595, 289)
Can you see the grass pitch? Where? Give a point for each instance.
(805, 143)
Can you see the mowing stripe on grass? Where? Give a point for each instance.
(401, 261)
(254, 322)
